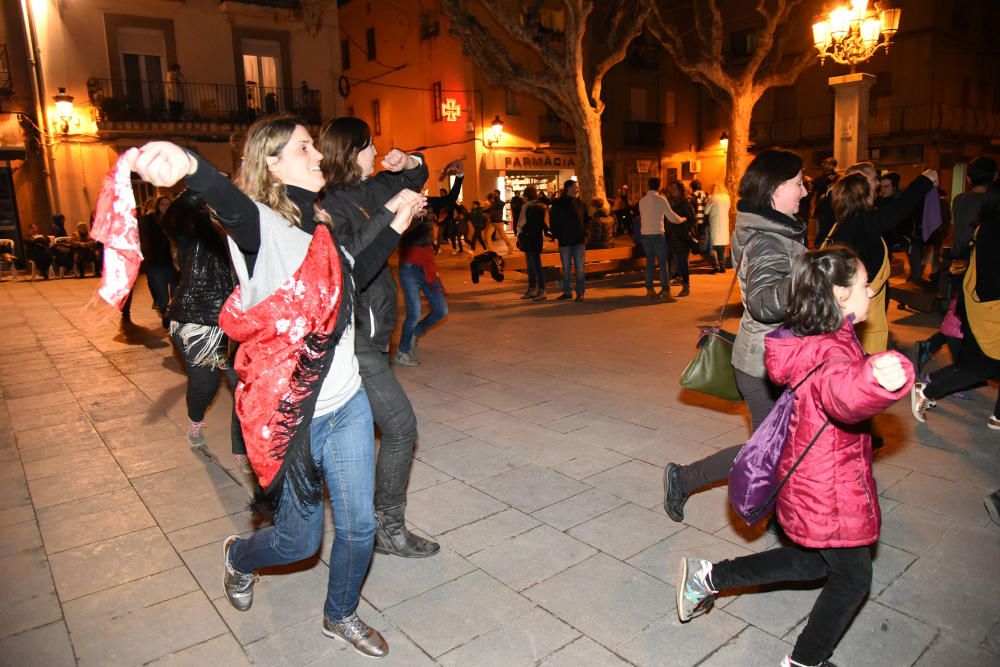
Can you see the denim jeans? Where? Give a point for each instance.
(655, 247)
(533, 262)
(848, 573)
(162, 281)
(343, 444)
(574, 254)
(413, 281)
(394, 417)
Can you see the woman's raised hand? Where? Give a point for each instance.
(161, 163)
(406, 198)
(933, 175)
(396, 160)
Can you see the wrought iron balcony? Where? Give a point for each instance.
(117, 100)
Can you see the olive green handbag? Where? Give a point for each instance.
(711, 370)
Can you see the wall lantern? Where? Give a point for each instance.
(724, 142)
(450, 110)
(852, 35)
(496, 131)
(64, 109)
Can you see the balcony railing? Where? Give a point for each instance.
(940, 119)
(118, 100)
(6, 82)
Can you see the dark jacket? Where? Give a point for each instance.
(153, 243)
(771, 241)
(679, 232)
(863, 231)
(568, 219)
(421, 232)
(359, 215)
(206, 280)
(529, 238)
(495, 210)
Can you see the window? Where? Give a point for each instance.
(345, 54)
(638, 104)
(376, 118)
(512, 108)
(670, 108)
(262, 74)
(142, 53)
(742, 43)
(370, 43)
(436, 101)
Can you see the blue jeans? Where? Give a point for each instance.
(343, 444)
(655, 247)
(572, 253)
(413, 281)
(162, 281)
(533, 262)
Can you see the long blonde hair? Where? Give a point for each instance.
(267, 138)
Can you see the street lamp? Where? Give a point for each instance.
(64, 109)
(852, 35)
(496, 131)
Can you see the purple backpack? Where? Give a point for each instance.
(753, 479)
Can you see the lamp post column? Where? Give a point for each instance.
(850, 117)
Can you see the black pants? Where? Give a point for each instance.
(202, 385)
(393, 414)
(760, 395)
(948, 380)
(477, 235)
(848, 573)
(452, 234)
(679, 251)
(719, 261)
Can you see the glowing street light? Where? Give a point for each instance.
(852, 35)
(496, 131)
(64, 109)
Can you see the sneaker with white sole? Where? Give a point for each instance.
(365, 639)
(788, 662)
(238, 585)
(196, 434)
(694, 594)
(993, 423)
(920, 404)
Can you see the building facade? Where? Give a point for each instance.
(116, 61)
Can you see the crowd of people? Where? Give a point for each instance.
(278, 281)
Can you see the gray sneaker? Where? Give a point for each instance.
(365, 639)
(694, 594)
(238, 586)
(196, 434)
(405, 358)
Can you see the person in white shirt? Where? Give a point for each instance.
(653, 208)
(717, 211)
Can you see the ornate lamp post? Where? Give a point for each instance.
(849, 36)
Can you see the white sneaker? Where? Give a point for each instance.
(920, 404)
(993, 423)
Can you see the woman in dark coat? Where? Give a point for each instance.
(679, 235)
(530, 241)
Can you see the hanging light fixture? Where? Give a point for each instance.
(64, 109)
(724, 142)
(496, 130)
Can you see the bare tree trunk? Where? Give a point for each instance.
(739, 144)
(589, 157)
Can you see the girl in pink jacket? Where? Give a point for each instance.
(829, 506)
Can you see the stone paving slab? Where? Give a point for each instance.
(538, 468)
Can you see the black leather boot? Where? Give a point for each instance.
(392, 537)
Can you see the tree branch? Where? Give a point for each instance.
(540, 44)
(620, 36)
(708, 69)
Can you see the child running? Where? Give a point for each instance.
(829, 506)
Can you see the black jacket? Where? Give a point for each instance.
(567, 218)
(359, 215)
(206, 280)
(535, 225)
(154, 245)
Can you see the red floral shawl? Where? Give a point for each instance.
(286, 343)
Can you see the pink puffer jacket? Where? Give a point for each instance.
(830, 500)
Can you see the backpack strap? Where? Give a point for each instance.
(777, 489)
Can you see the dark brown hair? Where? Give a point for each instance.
(340, 141)
(850, 195)
(765, 173)
(812, 308)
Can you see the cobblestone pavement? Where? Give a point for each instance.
(543, 431)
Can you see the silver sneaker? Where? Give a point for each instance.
(238, 586)
(365, 639)
(405, 359)
(694, 594)
(920, 404)
(196, 434)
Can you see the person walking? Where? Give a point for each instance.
(478, 222)
(568, 217)
(766, 241)
(304, 412)
(679, 236)
(157, 259)
(717, 212)
(355, 200)
(829, 506)
(653, 208)
(495, 214)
